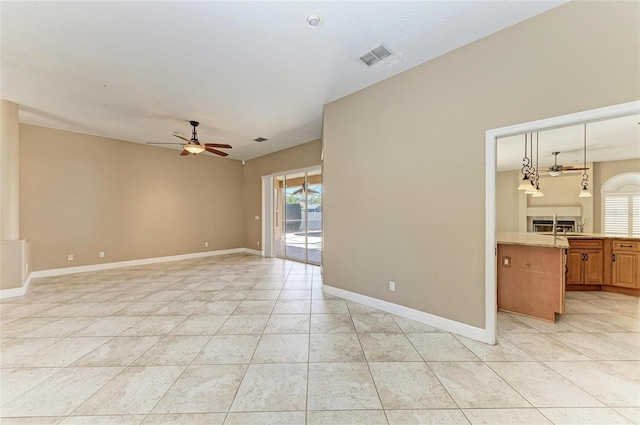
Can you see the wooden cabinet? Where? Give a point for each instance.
(626, 263)
(585, 262)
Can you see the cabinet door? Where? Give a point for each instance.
(593, 267)
(574, 266)
(626, 269)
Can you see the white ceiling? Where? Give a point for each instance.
(609, 140)
(140, 70)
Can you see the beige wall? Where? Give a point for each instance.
(9, 171)
(603, 172)
(83, 194)
(301, 156)
(507, 201)
(561, 191)
(417, 142)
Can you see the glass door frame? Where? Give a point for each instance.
(268, 222)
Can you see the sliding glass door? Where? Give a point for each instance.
(298, 216)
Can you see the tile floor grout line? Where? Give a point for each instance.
(366, 361)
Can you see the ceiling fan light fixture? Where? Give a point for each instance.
(555, 173)
(194, 149)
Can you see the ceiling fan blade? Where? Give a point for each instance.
(185, 152)
(215, 151)
(570, 168)
(181, 137)
(217, 145)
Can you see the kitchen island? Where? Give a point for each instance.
(531, 274)
(535, 269)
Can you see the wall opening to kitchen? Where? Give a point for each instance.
(492, 136)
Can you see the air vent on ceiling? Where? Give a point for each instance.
(259, 139)
(376, 55)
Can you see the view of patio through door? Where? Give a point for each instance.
(297, 202)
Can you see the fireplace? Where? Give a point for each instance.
(546, 225)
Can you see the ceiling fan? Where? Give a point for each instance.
(304, 190)
(556, 170)
(193, 145)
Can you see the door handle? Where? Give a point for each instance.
(626, 246)
(586, 256)
(613, 257)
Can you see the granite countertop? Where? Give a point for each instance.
(546, 239)
(532, 239)
(597, 236)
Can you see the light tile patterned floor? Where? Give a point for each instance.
(241, 339)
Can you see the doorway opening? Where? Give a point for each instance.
(492, 136)
(297, 216)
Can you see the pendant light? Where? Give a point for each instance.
(532, 173)
(538, 193)
(525, 183)
(584, 192)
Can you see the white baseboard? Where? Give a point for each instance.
(448, 325)
(17, 292)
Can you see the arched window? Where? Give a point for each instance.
(621, 205)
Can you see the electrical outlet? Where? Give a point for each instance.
(26, 267)
(70, 257)
(101, 254)
(392, 285)
(206, 244)
(258, 243)
(257, 218)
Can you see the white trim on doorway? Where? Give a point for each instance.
(599, 114)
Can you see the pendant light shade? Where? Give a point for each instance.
(584, 193)
(524, 183)
(538, 194)
(530, 190)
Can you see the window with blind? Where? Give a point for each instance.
(622, 215)
(621, 205)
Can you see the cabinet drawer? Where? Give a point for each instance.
(626, 245)
(586, 243)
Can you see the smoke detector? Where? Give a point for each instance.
(313, 21)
